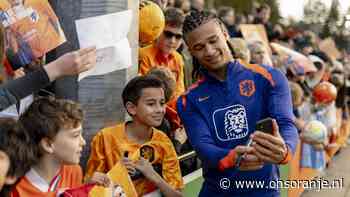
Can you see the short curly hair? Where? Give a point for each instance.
(196, 19)
(46, 116)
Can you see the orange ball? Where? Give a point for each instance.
(324, 93)
(151, 22)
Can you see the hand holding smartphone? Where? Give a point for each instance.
(264, 125)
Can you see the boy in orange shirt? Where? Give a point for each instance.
(163, 51)
(15, 154)
(137, 144)
(56, 131)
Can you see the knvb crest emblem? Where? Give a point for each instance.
(231, 123)
(247, 88)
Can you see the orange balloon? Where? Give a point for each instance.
(151, 22)
(325, 92)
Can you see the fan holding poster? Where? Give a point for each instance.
(257, 34)
(31, 30)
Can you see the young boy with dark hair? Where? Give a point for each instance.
(137, 144)
(171, 124)
(15, 154)
(56, 131)
(163, 52)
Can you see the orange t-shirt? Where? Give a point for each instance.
(108, 146)
(150, 57)
(33, 185)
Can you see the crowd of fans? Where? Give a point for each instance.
(168, 69)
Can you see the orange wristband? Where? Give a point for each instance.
(287, 157)
(228, 161)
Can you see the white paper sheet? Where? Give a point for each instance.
(109, 34)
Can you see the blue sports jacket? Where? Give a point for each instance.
(219, 115)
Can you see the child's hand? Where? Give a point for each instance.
(100, 179)
(130, 166)
(19, 73)
(180, 135)
(147, 170)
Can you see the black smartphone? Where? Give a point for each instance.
(264, 125)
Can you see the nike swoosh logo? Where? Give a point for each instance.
(203, 98)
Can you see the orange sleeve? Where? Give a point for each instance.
(180, 84)
(143, 67)
(171, 166)
(144, 63)
(97, 159)
(228, 161)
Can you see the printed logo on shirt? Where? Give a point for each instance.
(247, 88)
(230, 123)
(201, 99)
(147, 152)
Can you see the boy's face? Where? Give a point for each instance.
(186, 6)
(257, 57)
(150, 108)
(68, 144)
(229, 18)
(208, 44)
(198, 4)
(170, 40)
(4, 168)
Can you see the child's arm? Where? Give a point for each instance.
(100, 178)
(97, 161)
(147, 170)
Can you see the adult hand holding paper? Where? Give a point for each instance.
(109, 34)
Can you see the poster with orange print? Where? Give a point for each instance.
(257, 33)
(31, 30)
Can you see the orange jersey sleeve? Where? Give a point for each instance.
(171, 171)
(146, 62)
(104, 150)
(180, 81)
(109, 145)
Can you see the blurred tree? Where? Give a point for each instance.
(315, 16)
(315, 12)
(342, 37)
(333, 21)
(247, 7)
